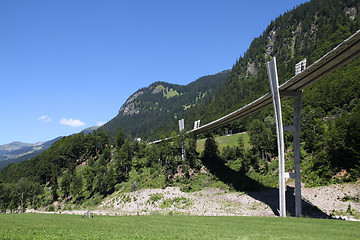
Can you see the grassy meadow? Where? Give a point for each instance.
(53, 226)
(223, 141)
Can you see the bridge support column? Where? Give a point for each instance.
(297, 95)
(181, 129)
(297, 124)
(274, 86)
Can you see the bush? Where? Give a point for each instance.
(51, 208)
(155, 198)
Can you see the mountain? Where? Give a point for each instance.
(17, 151)
(147, 112)
(90, 130)
(6, 148)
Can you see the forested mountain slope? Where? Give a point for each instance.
(150, 109)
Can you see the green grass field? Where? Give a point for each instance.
(52, 226)
(224, 141)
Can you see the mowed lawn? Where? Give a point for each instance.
(54, 226)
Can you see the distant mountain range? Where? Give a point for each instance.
(18, 151)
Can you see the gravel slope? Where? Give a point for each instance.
(323, 202)
(334, 201)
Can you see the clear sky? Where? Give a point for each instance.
(70, 64)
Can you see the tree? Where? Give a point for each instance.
(54, 188)
(102, 139)
(88, 178)
(120, 137)
(192, 154)
(211, 150)
(5, 195)
(352, 139)
(35, 190)
(240, 149)
(76, 185)
(65, 181)
(23, 188)
(125, 155)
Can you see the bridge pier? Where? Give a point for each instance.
(297, 95)
(297, 124)
(276, 96)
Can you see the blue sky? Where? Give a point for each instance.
(68, 65)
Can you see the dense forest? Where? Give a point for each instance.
(82, 169)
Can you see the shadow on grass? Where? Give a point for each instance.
(270, 196)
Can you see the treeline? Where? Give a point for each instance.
(80, 170)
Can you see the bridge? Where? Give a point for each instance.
(344, 53)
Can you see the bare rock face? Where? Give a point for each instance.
(252, 69)
(271, 41)
(129, 108)
(351, 12)
(155, 90)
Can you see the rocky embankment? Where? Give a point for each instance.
(339, 200)
(335, 201)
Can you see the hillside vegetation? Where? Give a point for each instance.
(82, 169)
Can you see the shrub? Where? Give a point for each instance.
(153, 198)
(51, 208)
